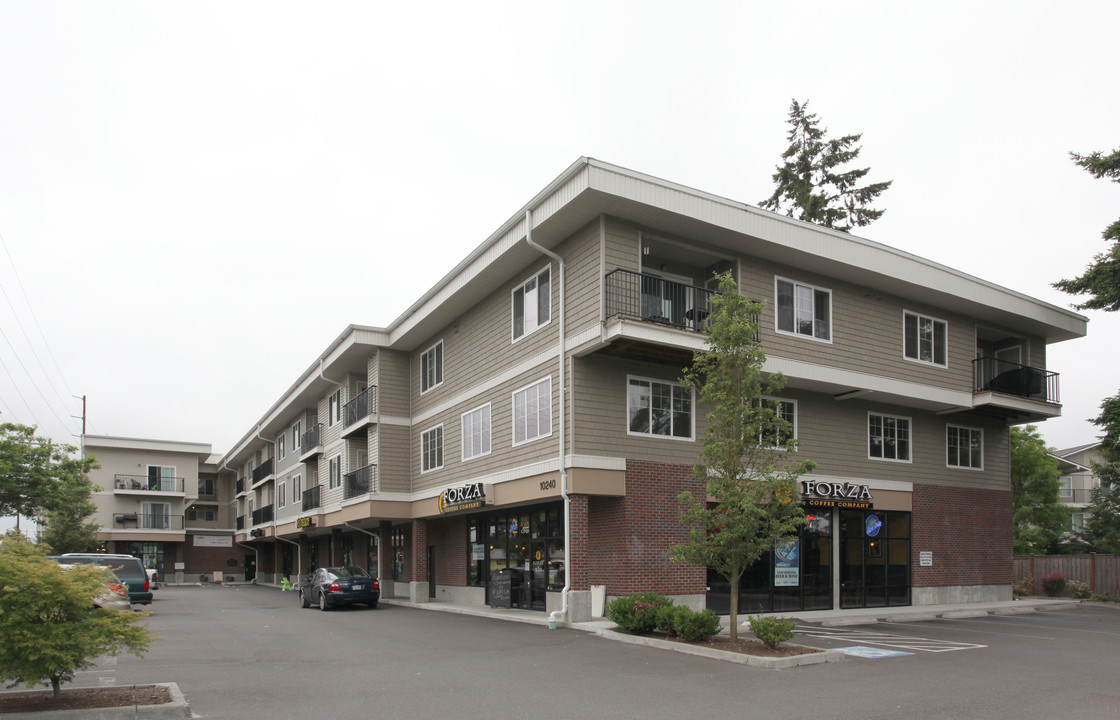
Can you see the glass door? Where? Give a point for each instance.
(874, 558)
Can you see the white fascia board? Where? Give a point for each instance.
(126, 443)
(866, 381)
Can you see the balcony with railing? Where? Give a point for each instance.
(311, 443)
(147, 521)
(145, 483)
(240, 522)
(655, 299)
(360, 482)
(311, 498)
(1020, 391)
(359, 412)
(239, 486)
(263, 515)
(264, 472)
(1076, 496)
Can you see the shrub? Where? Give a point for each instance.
(695, 626)
(1079, 590)
(670, 617)
(772, 631)
(1053, 584)
(1023, 587)
(1104, 597)
(637, 613)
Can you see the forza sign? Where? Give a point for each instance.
(836, 494)
(463, 497)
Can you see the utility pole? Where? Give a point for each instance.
(83, 443)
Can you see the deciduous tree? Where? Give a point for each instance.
(748, 462)
(1039, 516)
(812, 182)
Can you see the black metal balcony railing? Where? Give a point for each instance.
(359, 482)
(362, 406)
(149, 484)
(263, 471)
(311, 498)
(240, 522)
(262, 515)
(240, 485)
(657, 300)
(993, 375)
(310, 439)
(148, 521)
(1078, 495)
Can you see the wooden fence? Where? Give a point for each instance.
(1100, 572)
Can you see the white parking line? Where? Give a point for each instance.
(902, 642)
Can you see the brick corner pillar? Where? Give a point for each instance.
(579, 560)
(418, 567)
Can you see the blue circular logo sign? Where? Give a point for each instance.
(873, 525)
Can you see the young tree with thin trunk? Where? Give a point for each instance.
(748, 462)
(1039, 516)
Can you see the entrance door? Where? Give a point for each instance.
(250, 567)
(874, 558)
(538, 575)
(431, 572)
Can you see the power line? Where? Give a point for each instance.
(30, 344)
(33, 383)
(18, 391)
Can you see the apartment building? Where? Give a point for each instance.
(162, 501)
(1077, 480)
(519, 435)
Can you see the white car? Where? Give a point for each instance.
(152, 578)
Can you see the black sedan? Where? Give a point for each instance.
(333, 586)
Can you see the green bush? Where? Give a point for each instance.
(1053, 584)
(1079, 590)
(637, 613)
(695, 626)
(772, 631)
(1023, 587)
(1104, 597)
(670, 616)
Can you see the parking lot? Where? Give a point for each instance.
(250, 652)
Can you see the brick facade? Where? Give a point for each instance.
(969, 532)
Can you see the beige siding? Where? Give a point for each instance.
(393, 466)
(394, 383)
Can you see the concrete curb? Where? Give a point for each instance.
(177, 709)
(778, 663)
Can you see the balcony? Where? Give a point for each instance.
(240, 522)
(1078, 496)
(262, 515)
(359, 482)
(311, 498)
(262, 473)
(1020, 393)
(147, 521)
(311, 443)
(359, 412)
(654, 299)
(144, 483)
(239, 486)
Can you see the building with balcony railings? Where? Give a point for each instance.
(163, 501)
(1078, 481)
(525, 416)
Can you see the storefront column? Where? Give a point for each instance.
(579, 595)
(418, 567)
(385, 558)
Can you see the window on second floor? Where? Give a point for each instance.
(782, 432)
(532, 412)
(476, 432)
(888, 437)
(659, 408)
(334, 471)
(964, 447)
(334, 407)
(924, 339)
(282, 494)
(431, 367)
(202, 513)
(297, 488)
(431, 449)
(532, 303)
(1065, 487)
(803, 310)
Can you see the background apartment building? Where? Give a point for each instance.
(525, 415)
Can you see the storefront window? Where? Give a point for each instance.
(396, 539)
(527, 543)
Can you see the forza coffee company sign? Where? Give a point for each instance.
(836, 495)
(471, 496)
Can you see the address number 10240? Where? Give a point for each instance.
(548, 484)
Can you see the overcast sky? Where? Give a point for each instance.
(196, 199)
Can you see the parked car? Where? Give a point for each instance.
(332, 586)
(114, 595)
(153, 584)
(128, 568)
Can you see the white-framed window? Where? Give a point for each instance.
(532, 412)
(282, 493)
(334, 472)
(888, 437)
(297, 435)
(532, 303)
(476, 432)
(161, 478)
(431, 449)
(297, 489)
(786, 410)
(803, 310)
(334, 407)
(281, 451)
(431, 367)
(925, 339)
(658, 408)
(156, 516)
(964, 447)
(1077, 521)
(1065, 487)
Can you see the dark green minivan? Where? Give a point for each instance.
(128, 568)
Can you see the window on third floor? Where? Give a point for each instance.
(532, 303)
(334, 407)
(431, 367)
(924, 339)
(804, 310)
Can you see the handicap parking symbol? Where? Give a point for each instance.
(870, 652)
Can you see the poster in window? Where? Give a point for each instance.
(786, 564)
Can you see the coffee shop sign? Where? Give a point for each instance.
(836, 490)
